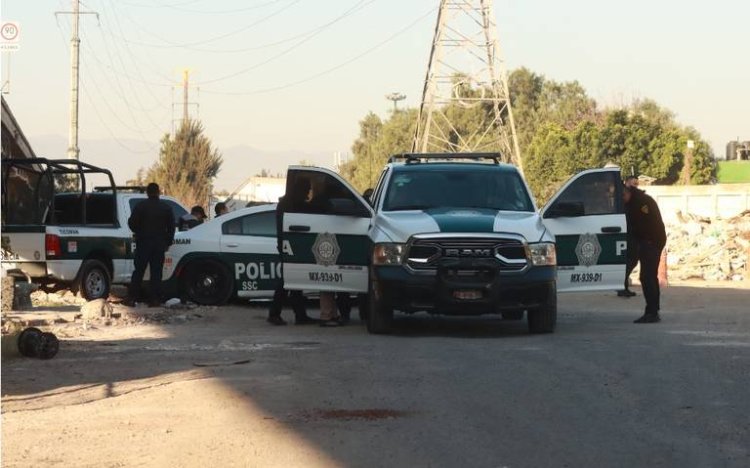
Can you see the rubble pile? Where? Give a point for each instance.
(709, 249)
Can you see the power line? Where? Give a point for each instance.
(328, 70)
(272, 58)
(171, 44)
(205, 12)
(355, 9)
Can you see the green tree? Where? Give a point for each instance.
(188, 163)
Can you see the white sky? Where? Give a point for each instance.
(689, 56)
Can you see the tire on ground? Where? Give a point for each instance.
(93, 281)
(379, 313)
(207, 282)
(544, 318)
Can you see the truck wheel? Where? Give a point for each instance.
(379, 313)
(543, 319)
(363, 305)
(93, 280)
(208, 282)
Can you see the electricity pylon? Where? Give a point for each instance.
(466, 72)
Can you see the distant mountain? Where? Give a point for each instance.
(124, 157)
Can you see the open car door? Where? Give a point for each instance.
(325, 241)
(587, 217)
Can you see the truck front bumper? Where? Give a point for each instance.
(465, 289)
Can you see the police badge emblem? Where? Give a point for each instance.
(588, 250)
(326, 249)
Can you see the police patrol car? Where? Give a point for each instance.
(232, 255)
(77, 239)
(454, 234)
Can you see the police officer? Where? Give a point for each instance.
(220, 209)
(294, 201)
(632, 252)
(153, 225)
(196, 216)
(647, 230)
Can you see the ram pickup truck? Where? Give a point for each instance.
(74, 239)
(455, 234)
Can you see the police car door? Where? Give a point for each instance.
(248, 243)
(325, 241)
(587, 218)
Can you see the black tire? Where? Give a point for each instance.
(379, 313)
(513, 315)
(543, 319)
(363, 305)
(207, 282)
(93, 280)
(28, 341)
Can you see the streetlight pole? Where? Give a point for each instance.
(395, 97)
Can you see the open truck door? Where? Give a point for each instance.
(325, 239)
(587, 217)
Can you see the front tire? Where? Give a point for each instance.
(379, 311)
(94, 280)
(544, 318)
(208, 282)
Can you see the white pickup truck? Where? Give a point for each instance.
(76, 239)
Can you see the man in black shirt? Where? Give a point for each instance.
(646, 228)
(295, 202)
(153, 225)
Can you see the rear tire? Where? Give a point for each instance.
(93, 280)
(379, 313)
(207, 282)
(543, 319)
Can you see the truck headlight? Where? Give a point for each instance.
(543, 254)
(388, 254)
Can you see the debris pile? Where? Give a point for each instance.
(710, 249)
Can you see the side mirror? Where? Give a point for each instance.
(565, 210)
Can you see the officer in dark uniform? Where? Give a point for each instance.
(632, 252)
(153, 225)
(295, 201)
(647, 230)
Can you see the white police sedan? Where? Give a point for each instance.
(232, 255)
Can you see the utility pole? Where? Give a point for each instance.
(75, 56)
(466, 71)
(185, 116)
(185, 104)
(688, 166)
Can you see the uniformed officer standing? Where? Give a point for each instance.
(632, 252)
(647, 228)
(294, 201)
(153, 225)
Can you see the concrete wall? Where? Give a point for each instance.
(711, 201)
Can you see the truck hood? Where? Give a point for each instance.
(399, 226)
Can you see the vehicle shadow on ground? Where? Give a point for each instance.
(359, 373)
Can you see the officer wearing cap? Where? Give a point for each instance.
(646, 228)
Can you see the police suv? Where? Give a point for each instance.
(78, 239)
(454, 234)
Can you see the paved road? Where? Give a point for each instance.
(441, 392)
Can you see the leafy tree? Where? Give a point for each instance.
(188, 163)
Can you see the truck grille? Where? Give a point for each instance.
(426, 253)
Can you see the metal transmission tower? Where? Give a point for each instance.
(466, 72)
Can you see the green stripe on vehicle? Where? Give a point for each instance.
(353, 249)
(463, 220)
(613, 249)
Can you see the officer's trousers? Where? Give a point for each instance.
(649, 254)
(148, 252)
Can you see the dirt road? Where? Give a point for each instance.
(226, 389)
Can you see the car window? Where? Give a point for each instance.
(258, 224)
(100, 209)
(177, 210)
(320, 193)
(596, 192)
(481, 188)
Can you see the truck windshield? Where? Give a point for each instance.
(479, 188)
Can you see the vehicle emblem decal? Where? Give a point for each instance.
(326, 249)
(588, 250)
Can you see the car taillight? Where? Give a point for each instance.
(52, 245)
